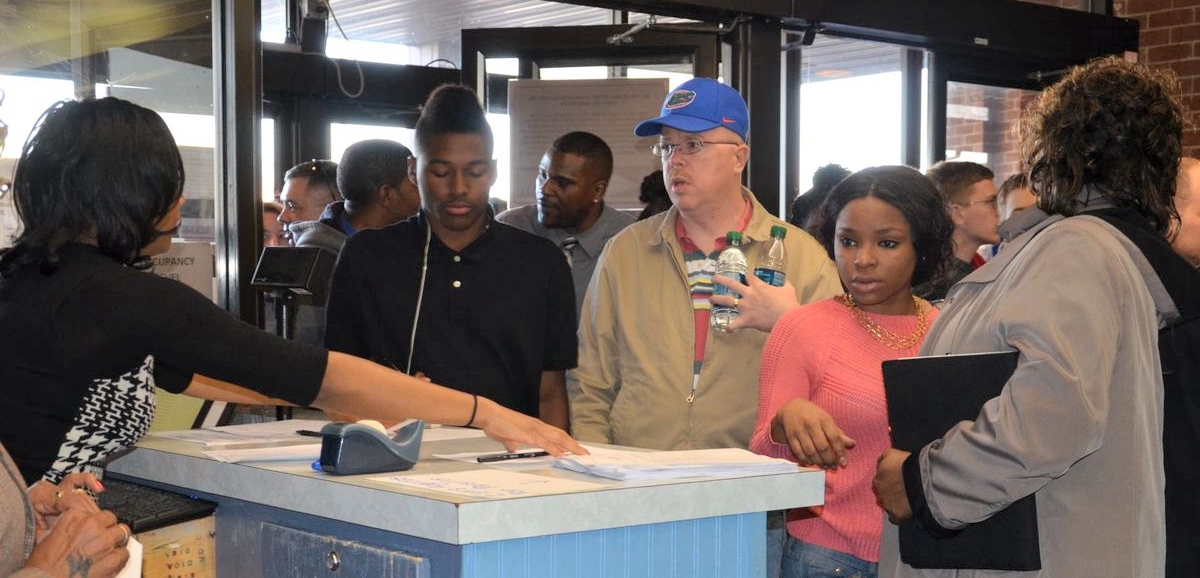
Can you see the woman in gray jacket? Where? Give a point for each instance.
(1079, 423)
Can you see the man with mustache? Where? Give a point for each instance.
(570, 211)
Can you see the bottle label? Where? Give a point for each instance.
(770, 276)
(722, 290)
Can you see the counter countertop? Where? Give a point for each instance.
(456, 519)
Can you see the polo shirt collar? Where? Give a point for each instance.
(757, 229)
(483, 241)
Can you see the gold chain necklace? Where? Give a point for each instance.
(881, 334)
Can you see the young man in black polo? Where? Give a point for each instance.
(471, 304)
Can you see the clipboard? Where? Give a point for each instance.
(926, 396)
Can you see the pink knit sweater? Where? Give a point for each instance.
(821, 353)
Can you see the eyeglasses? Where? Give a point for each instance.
(990, 201)
(690, 146)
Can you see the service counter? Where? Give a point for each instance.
(282, 519)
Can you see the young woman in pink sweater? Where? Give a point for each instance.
(821, 396)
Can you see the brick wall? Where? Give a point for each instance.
(1169, 37)
(997, 134)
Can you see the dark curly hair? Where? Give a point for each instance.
(98, 169)
(1110, 125)
(915, 196)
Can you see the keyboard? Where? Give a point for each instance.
(145, 508)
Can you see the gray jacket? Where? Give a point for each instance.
(318, 234)
(1079, 423)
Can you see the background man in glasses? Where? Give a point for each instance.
(971, 203)
(307, 188)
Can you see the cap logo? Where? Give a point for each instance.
(679, 99)
(726, 120)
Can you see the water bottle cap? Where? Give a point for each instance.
(778, 231)
(733, 238)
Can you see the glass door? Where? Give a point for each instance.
(589, 64)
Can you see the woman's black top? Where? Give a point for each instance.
(82, 348)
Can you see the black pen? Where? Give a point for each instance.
(512, 456)
(309, 433)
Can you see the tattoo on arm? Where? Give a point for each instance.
(78, 565)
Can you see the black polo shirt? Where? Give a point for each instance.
(493, 316)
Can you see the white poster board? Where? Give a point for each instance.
(192, 264)
(543, 110)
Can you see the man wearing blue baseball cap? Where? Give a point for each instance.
(651, 374)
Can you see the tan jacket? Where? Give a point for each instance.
(16, 522)
(636, 340)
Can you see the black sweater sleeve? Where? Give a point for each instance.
(143, 313)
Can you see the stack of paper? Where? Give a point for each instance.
(626, 465)
(250, 433)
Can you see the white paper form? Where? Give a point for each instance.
(626, 465)
(265, 432)
(308, 452)
(491, 483)
(473, 457)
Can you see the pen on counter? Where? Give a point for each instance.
(309, 433)
(512, 456)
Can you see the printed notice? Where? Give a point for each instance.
(491, 484)
(543, 110)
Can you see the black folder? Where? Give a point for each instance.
(926, 397)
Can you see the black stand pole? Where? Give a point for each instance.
(285, 327)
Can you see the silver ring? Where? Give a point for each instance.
(125, 530)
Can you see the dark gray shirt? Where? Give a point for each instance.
(591, 241)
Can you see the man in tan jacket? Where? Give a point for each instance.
(651, 373)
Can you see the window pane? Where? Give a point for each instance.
(849, 105)
(981, 125)
(273, 21)
(268, 161)
(341, 136)
(156, 54)
(423, 32)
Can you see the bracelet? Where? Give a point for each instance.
(474, 408)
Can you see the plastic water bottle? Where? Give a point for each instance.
(772, 259)
(731, 263)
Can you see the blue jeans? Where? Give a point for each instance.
(776, 538)
(803, 560)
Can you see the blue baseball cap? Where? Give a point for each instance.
(698, 105)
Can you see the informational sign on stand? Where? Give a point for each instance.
(190, 263)
(543, 110)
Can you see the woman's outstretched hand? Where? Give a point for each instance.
(512, 428)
